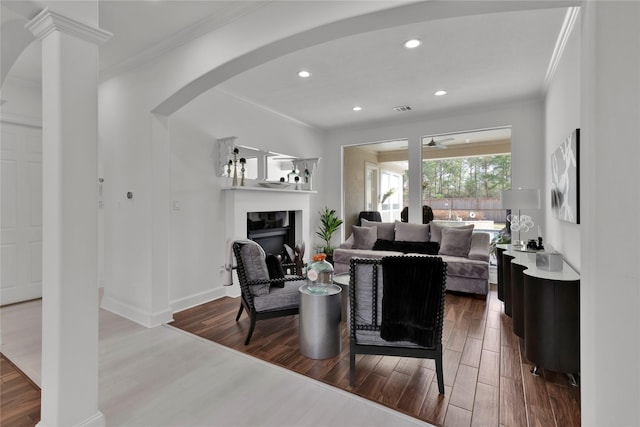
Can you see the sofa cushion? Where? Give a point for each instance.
(428, 248)
(464, 267)
(364, 237)
(406, 232)
(436, 230)
(280, 298)
(255, 267)
(456, 241)
(386, 230)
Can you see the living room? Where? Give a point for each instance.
(158, 132)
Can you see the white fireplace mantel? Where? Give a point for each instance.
(277, 190)
(238, 201)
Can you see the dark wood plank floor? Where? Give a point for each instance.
(487, 379)
(19, 397)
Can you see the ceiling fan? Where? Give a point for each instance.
(438, 144)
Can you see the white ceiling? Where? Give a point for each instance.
(477, 59)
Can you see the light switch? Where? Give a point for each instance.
(176, 205)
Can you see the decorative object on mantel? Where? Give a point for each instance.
(522, 198)
(243, 161)
(297, 180)
(235, 167)
(270, 184)
(225, 154)
(229, 168)
(306, 167)
(291, 176)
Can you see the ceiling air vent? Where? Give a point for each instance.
(402, 108)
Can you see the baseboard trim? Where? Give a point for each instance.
(149, 320)
(96, 420)
(232, 291)
(197, 299)
(16, 294)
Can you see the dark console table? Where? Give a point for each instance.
(545, 307)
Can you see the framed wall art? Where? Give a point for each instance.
(565, 179)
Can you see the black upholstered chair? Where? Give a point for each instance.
(386, 295)
(427, 214)
(369, 216)
(260, 296)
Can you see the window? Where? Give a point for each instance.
(462, 182)
(371, 187)
(391, 192)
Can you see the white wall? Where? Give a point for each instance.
(197, 236)
(525, 117)
(24, 101)
(135, 140)
(562, 116)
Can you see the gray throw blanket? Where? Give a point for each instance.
(412, 302)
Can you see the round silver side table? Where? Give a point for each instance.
(342, 280)
(320, 315)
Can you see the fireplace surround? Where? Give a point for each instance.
(238, 202)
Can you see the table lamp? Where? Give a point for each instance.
(521, 198)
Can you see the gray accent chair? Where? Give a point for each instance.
(366, 318)
(259, 298)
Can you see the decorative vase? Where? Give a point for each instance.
(319, 275)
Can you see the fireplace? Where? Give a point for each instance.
(272, 230)
(238, 201)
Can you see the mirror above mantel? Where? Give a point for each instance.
(262, 166)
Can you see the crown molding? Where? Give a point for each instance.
(565, 32)
(47, 21)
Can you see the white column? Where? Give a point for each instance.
(610, 200)
(70, 228)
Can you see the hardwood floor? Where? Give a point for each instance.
(19, 397)
(487, 378)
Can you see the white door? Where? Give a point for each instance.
(21, 213)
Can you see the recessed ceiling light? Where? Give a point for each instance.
(357, 108)
(304, 74)
(413, 43)
(440, 92)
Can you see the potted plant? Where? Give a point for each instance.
(329, 224)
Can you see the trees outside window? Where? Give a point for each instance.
(466, 188)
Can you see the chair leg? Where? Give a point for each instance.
(239, 312)
(352, 365)
(439, 373)
(251, 328)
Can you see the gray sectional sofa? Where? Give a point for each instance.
(465, 252)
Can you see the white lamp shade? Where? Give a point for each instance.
(522, 198)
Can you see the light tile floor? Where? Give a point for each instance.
(165, 377)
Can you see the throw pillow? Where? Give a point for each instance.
(456, 241)
(436, 230)
(274, 267)
(406, 232)
(386, 230)
(426, 248)
(383, 245)
(255, 267)
(364, 237)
